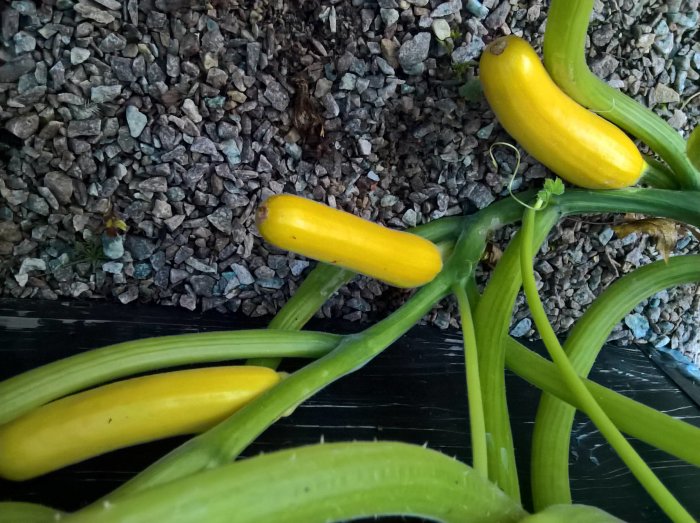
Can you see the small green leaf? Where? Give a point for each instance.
(552, 187)
(471, 90)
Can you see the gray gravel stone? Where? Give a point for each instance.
(84, 128)
(24, 42)
(447, 8)
(277, 96)
(136, 121)
(222, 219)
(140, 248)
(78, 55)
(415, 50)
(498, 16)
(60, 185)
(23, 126)
(93, 13)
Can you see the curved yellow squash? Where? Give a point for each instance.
(340, 238)
(125, 413)
(578, 145)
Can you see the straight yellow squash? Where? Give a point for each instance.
(578, 145)
(125, 413)
(340, 238)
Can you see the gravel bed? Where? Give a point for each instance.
(180, 117)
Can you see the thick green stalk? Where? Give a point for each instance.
(317, 287)
(633, 418)
(572, 514)
(227, 440)
(565, 59)
(682, 206)
(474, 397)
(658, 175)
(607, 428)
(492, 320)
(12, 512)
(319, 484)
(554, 421)
(324, 280)
(36, 387)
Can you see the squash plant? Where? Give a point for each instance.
(202, 480)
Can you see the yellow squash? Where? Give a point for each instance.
(578, 145)
(125, 413)
(340, 238)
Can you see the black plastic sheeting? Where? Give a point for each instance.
(413, 392)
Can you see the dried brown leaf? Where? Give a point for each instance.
(665, 232)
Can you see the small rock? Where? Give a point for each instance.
(122, 69)
(24, 7)
(83, 128)
(638, 324)
(277, 96)
(60, 185)
(24, 42)
(23, 126)
(58, 74)
(476, 8)
(253, 51)
(410, 218)
(389, 16)
(222, 219)
(98, 15)
(441, 29)
(129, 295)
(136, 121)
(162, 209)
(37, 204)
(298, 266)
(663, 94)
(348, 82)
(365, 146)
(200, 266)
(204, 145)
(330, 105)
(110, 4)
(217, 78)
(113, 246)
(447, 8)
(202, 284)
(105, 93)
(469, 52)
(10, 232)
(243, 274)
(231, 151)
(12, 70)
(154, 184)
(78, 55)
(385, 67)
(323, 87)
(415, 51)
(32, 264)
(521, 328)
(142, 270)
(498, 16)
(140, 248)
(664, 45)
(112, 43)
(605, 66)
(190, 109)
(113, 267)
(480, 196)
